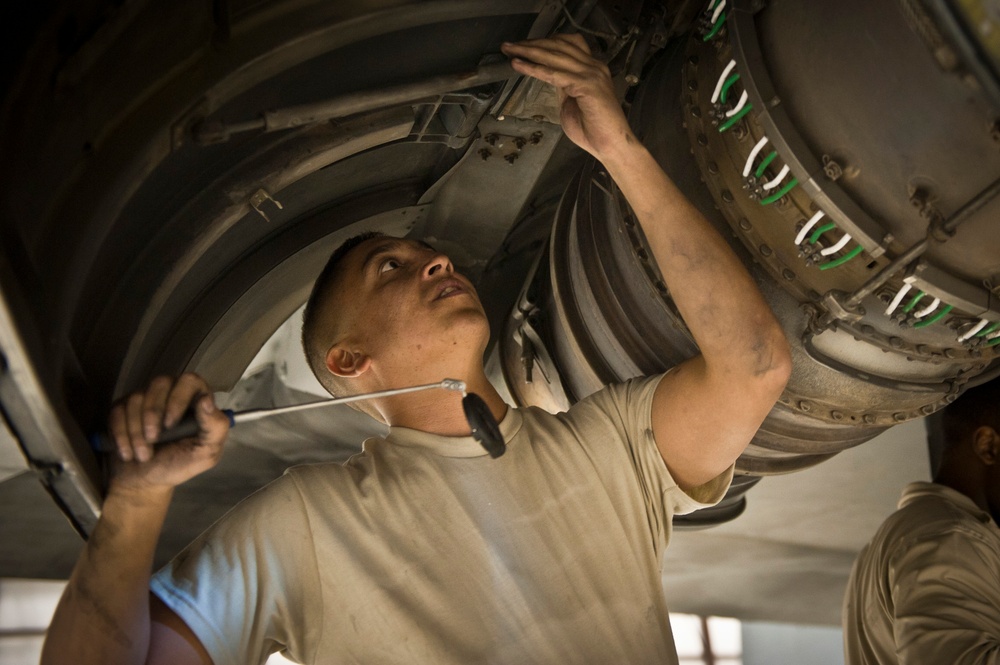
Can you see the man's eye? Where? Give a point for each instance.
(388, 264)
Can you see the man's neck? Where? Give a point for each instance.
(441, 411)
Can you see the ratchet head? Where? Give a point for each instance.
(484, 426)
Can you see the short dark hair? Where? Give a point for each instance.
(976, 407)
(315, 332)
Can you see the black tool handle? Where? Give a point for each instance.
(185, 429)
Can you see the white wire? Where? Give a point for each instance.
(808, 227)
(833, 249)
(736, 109)
(718, 10)
(722, 79)
(898, 299)
(777, 179)
(927, 310)
(992, 335)
(753, 155)
(973, 330)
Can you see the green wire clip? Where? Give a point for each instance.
(715, 28)
(736, 118)
(842, 260)
(943, 312)
(913, 302)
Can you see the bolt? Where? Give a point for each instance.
(765, 250)
(485, 153)
(702, 140)
(950, 353)
(727, 196)
(868, 418)
(631, 79)
(950, 398)
(696, 111)
(693, 60)
(745, 224)
(692, 85)
(896, 342)
(536, 138)
(511, 158)
(519, 142)
(491, 139)
(899, 417)
(713, 168)
(805, 406)
(927, 409)
(836, 415)
(536, 118)
(923, 348)
(788, 274)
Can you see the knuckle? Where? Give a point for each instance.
(160, 382)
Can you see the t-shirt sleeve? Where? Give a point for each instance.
(631, 403)
(248, 586)
(946, 599)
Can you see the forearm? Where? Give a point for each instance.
(103, 616)
(722, 307)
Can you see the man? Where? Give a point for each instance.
(926, 589)
(422, 548)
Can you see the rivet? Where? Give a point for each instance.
(692, 85)
(868, 418)
(788, 274)
(805, 406)
(950, 353)
(950, 398)
(693, 60)
(867, 329)
(713, 168)
(923, 348)
(696, 111)
(727, 196)
(765, 250)
(702, 140)
(899, 417)
(745, 224)
(836, 415)
(927, 409)
(896, 342)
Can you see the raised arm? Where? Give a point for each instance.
(706, 411)
(106, 614)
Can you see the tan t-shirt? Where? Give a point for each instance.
(927, 587)
(423, 549)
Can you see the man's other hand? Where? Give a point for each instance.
(590, 112)
(136, 421)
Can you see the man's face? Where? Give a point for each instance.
(404, 306)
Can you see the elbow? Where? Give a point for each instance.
(778, 370)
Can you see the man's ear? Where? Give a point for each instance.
(986, 443)
(345, 362)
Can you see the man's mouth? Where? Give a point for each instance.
(448, 289)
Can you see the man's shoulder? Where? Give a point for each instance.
(931, 515)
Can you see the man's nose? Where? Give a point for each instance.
(436, 264)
